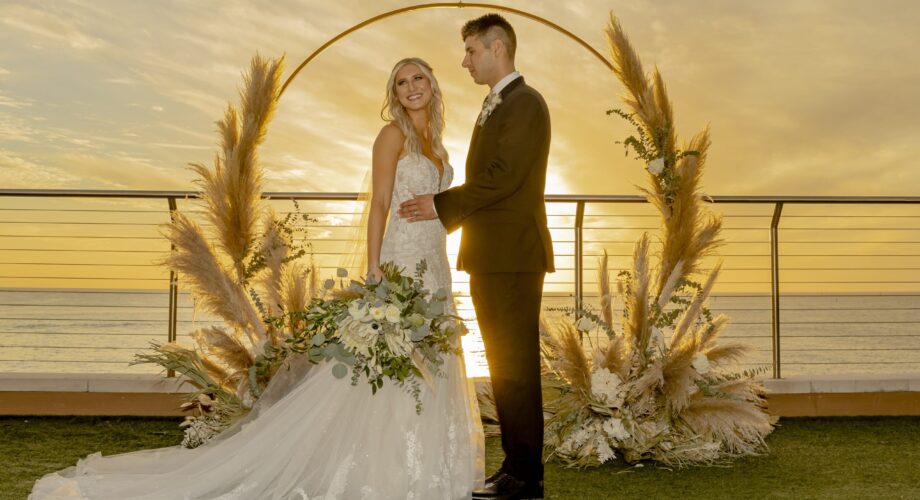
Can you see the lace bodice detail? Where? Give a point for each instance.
(407, 243)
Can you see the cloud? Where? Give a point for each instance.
(10, 102)
(48, 25)
(18, 172)
(792, 91)
(121, 80)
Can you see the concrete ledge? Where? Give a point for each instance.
(93, 382)
(842, 404)
(91, 403)
(156, 395)
(843, 384)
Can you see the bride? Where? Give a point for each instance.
(325, 438)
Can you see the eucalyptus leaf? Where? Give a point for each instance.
(318, 339)
(341, 272)
(339, 370)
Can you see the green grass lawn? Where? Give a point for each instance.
(877, 458)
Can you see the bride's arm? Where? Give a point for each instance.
(385, 155)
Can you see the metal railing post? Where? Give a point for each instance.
(579, 254)
(774, 292)
(173, 290)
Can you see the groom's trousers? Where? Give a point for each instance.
(508, 312)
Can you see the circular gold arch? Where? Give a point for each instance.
(443, 5)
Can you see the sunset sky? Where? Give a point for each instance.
(817, 97)
(804, 98)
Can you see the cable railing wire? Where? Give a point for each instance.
(887, 316)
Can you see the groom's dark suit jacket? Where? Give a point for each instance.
(500, 205)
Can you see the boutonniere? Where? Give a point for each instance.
(488, 106)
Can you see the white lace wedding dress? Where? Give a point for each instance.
(325, 438)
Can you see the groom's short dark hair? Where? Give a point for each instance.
(488, 28)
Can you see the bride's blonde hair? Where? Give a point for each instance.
(393, 111)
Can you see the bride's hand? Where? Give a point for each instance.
(374, 273)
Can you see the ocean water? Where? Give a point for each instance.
(100, 330)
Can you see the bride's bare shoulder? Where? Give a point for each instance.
(389, 141)
(391, 134)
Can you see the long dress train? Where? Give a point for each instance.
(325, 438)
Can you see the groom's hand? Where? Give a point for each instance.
(419, 208)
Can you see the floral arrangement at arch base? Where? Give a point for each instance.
(662, 388)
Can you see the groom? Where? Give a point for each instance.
(506, 246)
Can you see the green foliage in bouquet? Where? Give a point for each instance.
(393, 328)
(662, 388)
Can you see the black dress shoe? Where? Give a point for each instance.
(504, 486)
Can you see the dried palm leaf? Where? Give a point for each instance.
(294, 291)
(667, 290)
(636, 327)
(211, 284)
(603, 282)
(691, 315)
(223, 348)
(740, 426)
(232, 193)
(274, 249)
(568, 359)
(726, 353)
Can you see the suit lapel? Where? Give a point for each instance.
(474, 142)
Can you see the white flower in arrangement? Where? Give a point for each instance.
(604, 451)
(614, 428)
(701, 363)
(393, 314)
(358, 310)
(656, 166)
(357, 335)
(378, 312)
(607, 387)
(584, 324)
(398, 341)
(576, 440)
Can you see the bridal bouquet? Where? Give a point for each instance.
(392, 329)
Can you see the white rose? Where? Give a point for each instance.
(584, 324)
(378, 313)
(701, 363)
(656, 166)
(393, 314)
